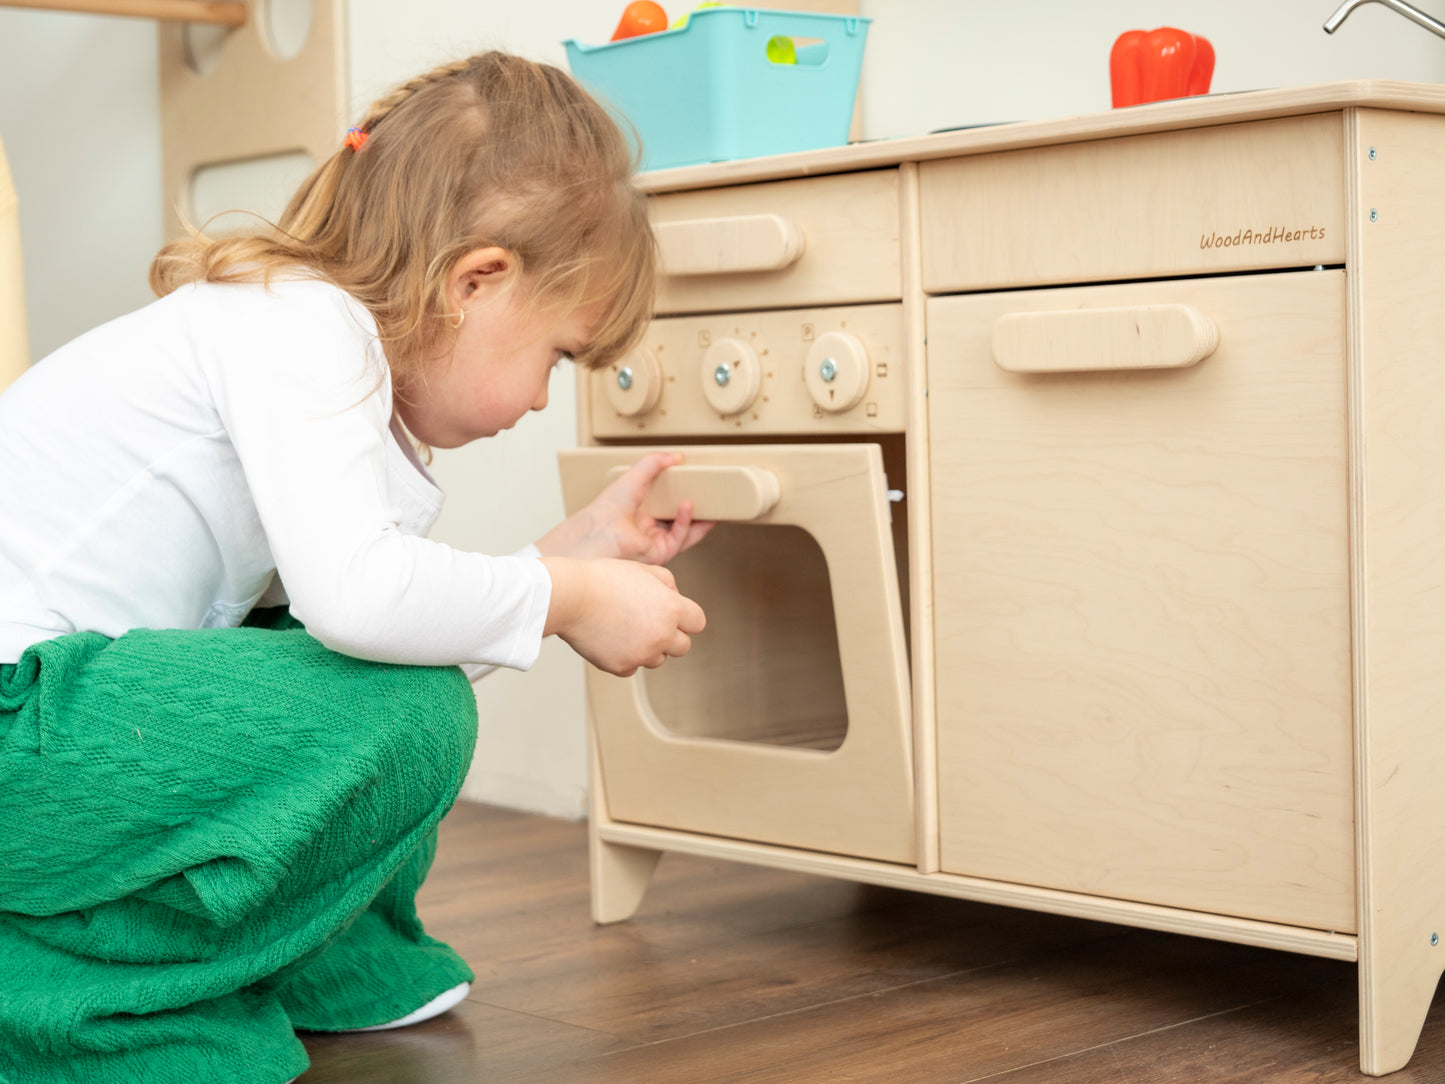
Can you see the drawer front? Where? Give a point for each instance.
(1267, 194)
(820, 240)
(1142, 599)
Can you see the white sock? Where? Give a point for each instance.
(435, 1007)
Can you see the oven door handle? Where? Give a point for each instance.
(726, 493)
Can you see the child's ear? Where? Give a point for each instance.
(481, 270)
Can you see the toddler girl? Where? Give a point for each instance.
(231, 713)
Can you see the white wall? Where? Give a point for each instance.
(80, 116)
(80, 119)
(934, 64)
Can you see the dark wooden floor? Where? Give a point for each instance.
(737, 974)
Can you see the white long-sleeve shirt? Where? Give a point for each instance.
(168, 468)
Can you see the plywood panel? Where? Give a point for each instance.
(1397, 238)
(1229, 198)
(793, 727)
(251, 103)
(1141, 597)
(678, 356)
(849, 225)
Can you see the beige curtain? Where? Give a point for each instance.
(14, 343)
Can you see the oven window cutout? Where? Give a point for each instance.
(766, 670)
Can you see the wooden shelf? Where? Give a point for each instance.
(230, 13)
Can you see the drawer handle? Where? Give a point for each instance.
(729, 493)
(724, 246)
(1082, 340)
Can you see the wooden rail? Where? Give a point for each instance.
(230, 13)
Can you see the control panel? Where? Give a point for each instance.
(803, 371)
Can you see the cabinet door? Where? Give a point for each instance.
(1142, 592)
(788, 722)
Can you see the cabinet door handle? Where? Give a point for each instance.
(728, 493)
(718, 246)
(1080, 340)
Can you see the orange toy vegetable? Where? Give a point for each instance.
(1149, 66)
(640, 17)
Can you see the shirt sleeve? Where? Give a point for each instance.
(302, 390)
(475, 671)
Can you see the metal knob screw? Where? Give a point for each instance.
(828, 370)
(721, 375)
(624, 378)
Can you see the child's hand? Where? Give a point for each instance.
(619, 615)
(614, 524)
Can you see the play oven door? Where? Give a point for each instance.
(788, 721)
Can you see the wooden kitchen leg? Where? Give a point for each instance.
(1396, 988)
(620, 875)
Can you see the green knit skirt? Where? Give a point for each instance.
(211, 839)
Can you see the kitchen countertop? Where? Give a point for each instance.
(1178, 113)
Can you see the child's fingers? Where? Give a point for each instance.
(697, 531)
(678, 646)
(689, 616)
(674, 541)
(644, 472)
(662, 574)
(682, 520)
(692, 620)
(671, 537)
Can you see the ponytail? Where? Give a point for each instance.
(490, 150)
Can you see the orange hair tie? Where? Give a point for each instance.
(355, 138)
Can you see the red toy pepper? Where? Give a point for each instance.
(1149, 66)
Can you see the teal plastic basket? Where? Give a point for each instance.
(709, 92)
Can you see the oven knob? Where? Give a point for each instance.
(731, 376)
(634, 384)
(836, 371)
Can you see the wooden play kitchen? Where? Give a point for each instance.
(1084, 539)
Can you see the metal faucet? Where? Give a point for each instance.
(1414, 14)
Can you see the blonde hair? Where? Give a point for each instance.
(491, 150)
